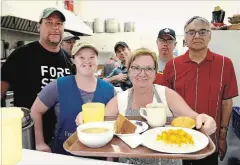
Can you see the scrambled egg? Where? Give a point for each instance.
(177, 137)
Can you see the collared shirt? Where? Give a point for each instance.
(124, 85)
(203, 86)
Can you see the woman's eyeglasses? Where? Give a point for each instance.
(138, 70)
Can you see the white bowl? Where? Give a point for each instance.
(95, 140)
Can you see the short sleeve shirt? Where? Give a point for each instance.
(30, 68)
(49, 96)
(203, 86)
(124, 85)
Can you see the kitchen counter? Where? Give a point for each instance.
(30, 157)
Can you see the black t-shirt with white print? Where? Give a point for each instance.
(30, 68)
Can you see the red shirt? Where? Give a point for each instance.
(199, 84)
(159, 79)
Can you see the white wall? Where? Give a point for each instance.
(150, 16)
(227, 44)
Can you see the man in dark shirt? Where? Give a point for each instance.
(31, 67)
(119, 77)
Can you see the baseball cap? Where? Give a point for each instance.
(80, 45)
(68, 36)
(48, 11)
(120, 43)
(167, 31)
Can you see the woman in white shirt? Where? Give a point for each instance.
(142, 69)
(142, 72)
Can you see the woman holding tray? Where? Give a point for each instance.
(68, 94)
(142, 70)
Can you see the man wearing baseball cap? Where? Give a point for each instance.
(119, 77)
(49, 11)
(166, 43)
(68, 41)
(31, 67)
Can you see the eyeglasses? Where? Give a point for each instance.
(138, 70)
(163, 41)
(203, 32)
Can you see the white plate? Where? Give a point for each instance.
(149, 140)
(140, 129)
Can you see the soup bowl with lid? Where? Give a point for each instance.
(95, 134)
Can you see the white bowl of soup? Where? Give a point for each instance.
(95, 134)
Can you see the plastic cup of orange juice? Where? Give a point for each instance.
(11, 135)
(93, 112)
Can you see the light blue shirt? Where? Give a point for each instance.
(161, 64)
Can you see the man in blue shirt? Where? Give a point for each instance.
(119, 77)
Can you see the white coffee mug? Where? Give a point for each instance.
(155, 114)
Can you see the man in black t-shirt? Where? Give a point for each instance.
(31, 67)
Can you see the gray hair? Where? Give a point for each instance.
(197, 18)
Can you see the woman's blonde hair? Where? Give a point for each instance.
(143, 52)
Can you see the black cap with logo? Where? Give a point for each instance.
(167, 31)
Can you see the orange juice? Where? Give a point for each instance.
(93, 112)
(11, 135)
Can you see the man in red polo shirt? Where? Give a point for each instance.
(205, 80)
(166, 43)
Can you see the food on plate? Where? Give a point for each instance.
(182, 121)
(176, 137)
(124, 126)
(95, 130)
